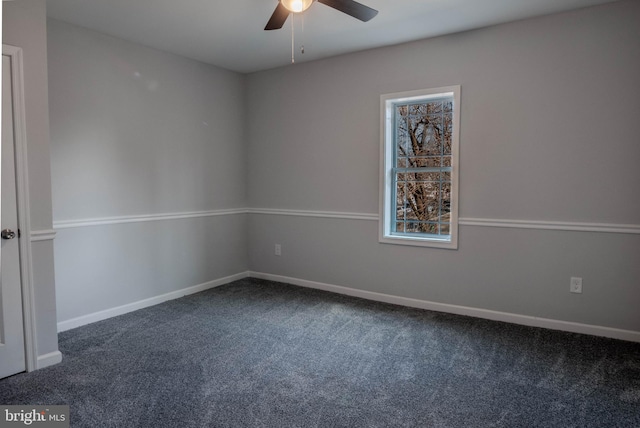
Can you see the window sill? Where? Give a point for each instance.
(449, 244)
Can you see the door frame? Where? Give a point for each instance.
(22, 192)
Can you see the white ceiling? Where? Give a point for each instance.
(230, 33)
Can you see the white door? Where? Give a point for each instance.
(12, 350)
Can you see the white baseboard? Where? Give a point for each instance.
(49, 359)
(134, 306)
(594, 330)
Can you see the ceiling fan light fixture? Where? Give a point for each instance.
(296, 6)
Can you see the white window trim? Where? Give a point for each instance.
(387, 127)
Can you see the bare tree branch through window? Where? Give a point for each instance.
(423, 167)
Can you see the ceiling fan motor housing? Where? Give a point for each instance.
(287, 7)
(296, 6)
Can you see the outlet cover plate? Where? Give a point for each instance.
(576, 285)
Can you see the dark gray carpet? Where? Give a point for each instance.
(262, 354)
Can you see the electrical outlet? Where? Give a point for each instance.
(576, 285)
(278, 250)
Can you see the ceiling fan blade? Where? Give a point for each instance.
(353, 8)
(278, 18)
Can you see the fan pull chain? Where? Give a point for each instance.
(293, 59)
(302, 30)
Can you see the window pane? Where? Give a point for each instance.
(416, 136)
(425, 162)
(427, 176)
(448, 106)
(433, 210)
(403, 150)
(418, 175)
(413, 228)
(433, 146)
(446, 197)
(433, 140)
(446, 161)
(448, 131)
(400, 200)
(417, 109)
(402, 137)
(445, 229)
(421, 227)
(434, 107)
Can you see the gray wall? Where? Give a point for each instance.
(24, 26)
(139, 132)
(549, 132)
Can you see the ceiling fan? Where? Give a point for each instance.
(286, 7)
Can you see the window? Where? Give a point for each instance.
(419, 167)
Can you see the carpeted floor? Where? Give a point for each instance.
(262, 354)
